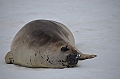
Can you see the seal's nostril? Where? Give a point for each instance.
(78, 56)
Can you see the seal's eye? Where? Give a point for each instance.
(64, 49)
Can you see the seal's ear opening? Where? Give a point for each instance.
(64, 49)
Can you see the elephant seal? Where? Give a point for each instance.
(44, 43)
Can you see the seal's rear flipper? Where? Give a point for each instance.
(9, 58)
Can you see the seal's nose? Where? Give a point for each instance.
(72, 59)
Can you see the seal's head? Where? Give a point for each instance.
(65, 55)
(72, 55)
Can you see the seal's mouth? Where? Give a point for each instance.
(72, 60)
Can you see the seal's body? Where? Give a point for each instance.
(44, 43)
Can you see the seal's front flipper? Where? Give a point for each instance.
(9, 58)
(82, 56)
(86, 56)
